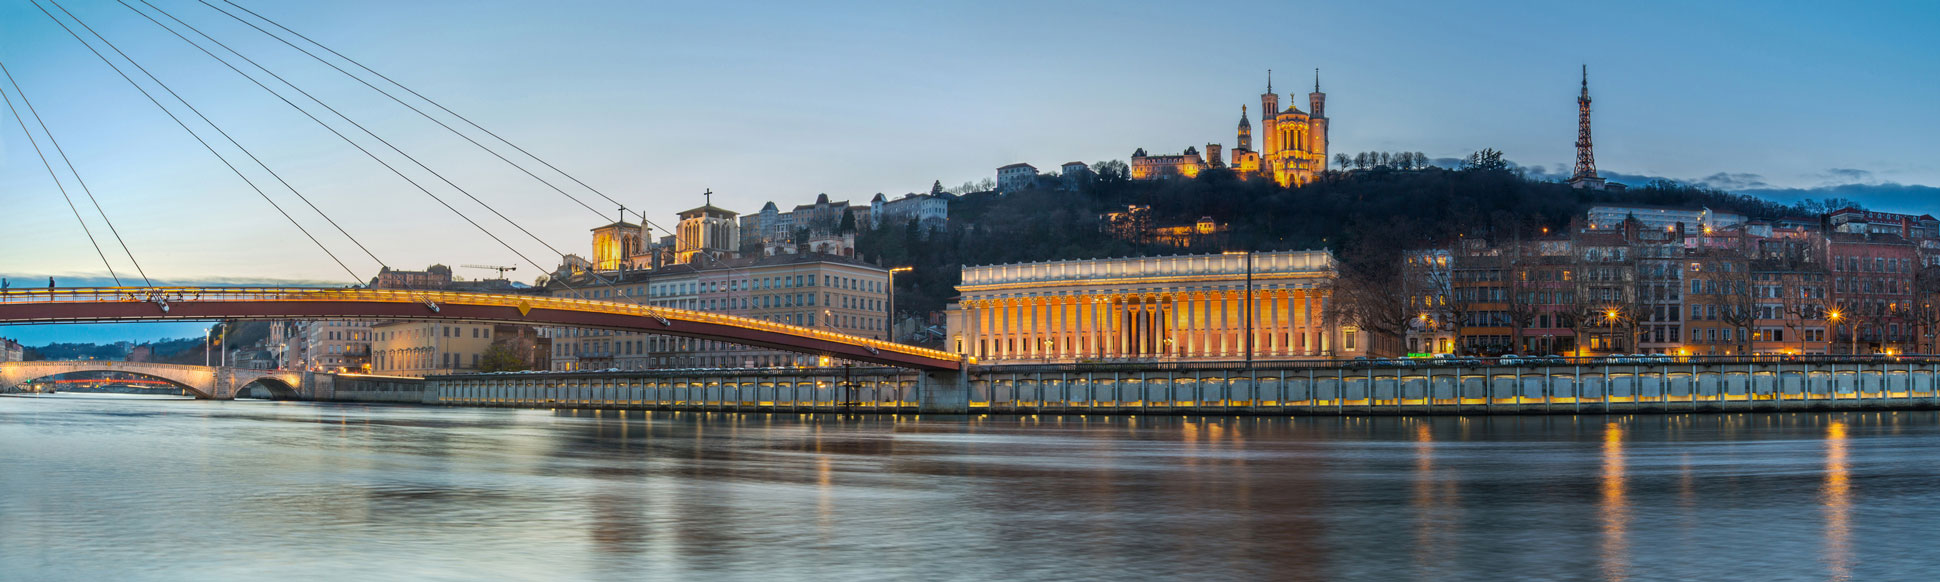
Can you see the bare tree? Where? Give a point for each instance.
(1925, 312)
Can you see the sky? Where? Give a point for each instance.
(652, 103)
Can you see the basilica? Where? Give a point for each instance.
(1293, 145)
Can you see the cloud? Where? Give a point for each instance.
(1862, 186)
(1733, 181)
(1844, 176)
(1884, 196)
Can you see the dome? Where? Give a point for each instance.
(822, 199)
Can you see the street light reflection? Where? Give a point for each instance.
(1615, 507)
(1836, 496)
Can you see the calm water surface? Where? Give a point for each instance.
(124, 488)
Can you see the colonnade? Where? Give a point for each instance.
(1212, 324)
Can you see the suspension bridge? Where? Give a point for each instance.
(127, 302)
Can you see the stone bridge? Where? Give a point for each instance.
(209, 383)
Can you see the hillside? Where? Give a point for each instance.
(1363, 215)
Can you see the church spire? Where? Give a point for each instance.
(1269, 80)
(1316, 79)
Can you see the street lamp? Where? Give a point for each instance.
(1248, 306)
(1610, 316)
(1833, 317)
(892, 300)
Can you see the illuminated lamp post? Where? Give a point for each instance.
(1610, 316)
(1833, 317)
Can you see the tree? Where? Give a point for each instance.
(1485, 160)
(500, 357)
(848, 223)
(1343, 161)
(1112, 172)
(1925, 312)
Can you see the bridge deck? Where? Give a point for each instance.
(99, 304)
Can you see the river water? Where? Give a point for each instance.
(134, 488)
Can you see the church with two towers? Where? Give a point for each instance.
(1293, 144)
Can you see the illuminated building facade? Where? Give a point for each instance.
(1294, 151)
(613, 244)
(1191, 307)
(1149, 167)
(1293, 145)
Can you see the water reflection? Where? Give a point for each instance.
(1435, 506)
(1614, 509)
(1837, 494)
(102, 490)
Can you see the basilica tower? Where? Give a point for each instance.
(1269, 107)
(1245, 131)
(1317, 123)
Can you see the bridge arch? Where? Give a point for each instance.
(202, 381)
(277, 388)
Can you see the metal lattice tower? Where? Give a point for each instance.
(1585, 152)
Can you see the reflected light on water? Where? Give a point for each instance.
(1426, 532)
(1836, 494)
(1614, 511)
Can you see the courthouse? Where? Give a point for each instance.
(1158, 308)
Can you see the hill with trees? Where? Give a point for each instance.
(1365, 215)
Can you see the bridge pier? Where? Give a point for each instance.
(944, 392)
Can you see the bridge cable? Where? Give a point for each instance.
(380, 139)
(77, 176)
(420, 112)
(340, 135)
(57, 184)
(561, 282)
(643, 216)
(414, 160)
(191, 132)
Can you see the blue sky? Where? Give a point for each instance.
(653, 102)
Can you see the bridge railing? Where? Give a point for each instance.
(1163, 363)
(166, 295)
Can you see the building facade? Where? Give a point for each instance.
(706, 230)
(1181, 165)
(1193, 307)
(1873, 291)
(821, 291)
(335, 345)
(1016, 177)
(818, 220)
(929, 211)
(1662, 217)
(427, 348)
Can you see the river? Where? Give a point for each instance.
(103, 487)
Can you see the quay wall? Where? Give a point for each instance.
(1189, 390)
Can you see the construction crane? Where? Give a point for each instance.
(501, 270)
